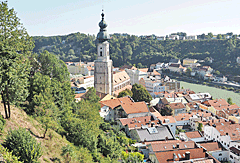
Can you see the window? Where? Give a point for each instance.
(220, 154)
(100, 88)
(100, 53)
(231, 156)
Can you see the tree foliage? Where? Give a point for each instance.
(23, 145)
(125, 92)
(15, 45)
(140, 93)
(229, 100)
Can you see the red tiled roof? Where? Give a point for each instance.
(167, 146)
(143, 69)
(183, 116)
(177, 105)
(163, 118)
(137, 107)
(165, 157)
(116, 102)
(79, 95)
(211, 146)
(126, 121)
(216, 103)
(193, 134)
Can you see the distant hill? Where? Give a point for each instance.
(143, 52)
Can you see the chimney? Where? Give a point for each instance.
(177, 145)
(174, 157)
(187, 155)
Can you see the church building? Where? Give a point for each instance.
(103, 75)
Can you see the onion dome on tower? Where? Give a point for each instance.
(102, 34)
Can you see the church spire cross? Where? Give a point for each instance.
(102, 14)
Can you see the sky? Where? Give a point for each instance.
(135, 17)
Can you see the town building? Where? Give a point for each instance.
(103, 73)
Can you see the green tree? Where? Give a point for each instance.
(53, 67)
(125, 92)
(15, 44)
(134, 157)
(217, 72)
(229, 100)
(91, 95)
(23, 145)
(200, 125)
(188, 71)
(219, 36)
(140, 93)
(210, 35)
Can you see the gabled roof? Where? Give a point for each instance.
(165, 157)
(211, 146)
(183, 116)
(143, 69)
(126, 121)
(193, 134)
(164, 119)
(137, 107)
(127, 67)
(216, 103)
(116, 102)
(120, 77)
(177, 105)
(167, 146)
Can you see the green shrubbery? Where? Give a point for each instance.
(23, 145)
(2, 123)
(7, 156)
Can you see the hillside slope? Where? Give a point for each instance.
(51, 147)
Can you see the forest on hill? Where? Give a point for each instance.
(143, 52)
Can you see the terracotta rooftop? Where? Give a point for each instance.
(143, 69)
(126, 121)
(137, 107)
(177, 105)
(166, 157)
(167, 146)
(164, 119)
(233, 130)
(193, 134)
(211, 146)
(116, 102)
(183, 116)
(127, 67)
(159, 142)
(141, 123)
(216, 103)
(120, 77)
(79, 95)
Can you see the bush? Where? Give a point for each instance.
(7, 156)
(23, 145)
(2, 123)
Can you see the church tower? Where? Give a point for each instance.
(103, 74)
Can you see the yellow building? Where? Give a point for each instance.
(188, 61)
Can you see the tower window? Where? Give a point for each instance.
(100, 53)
